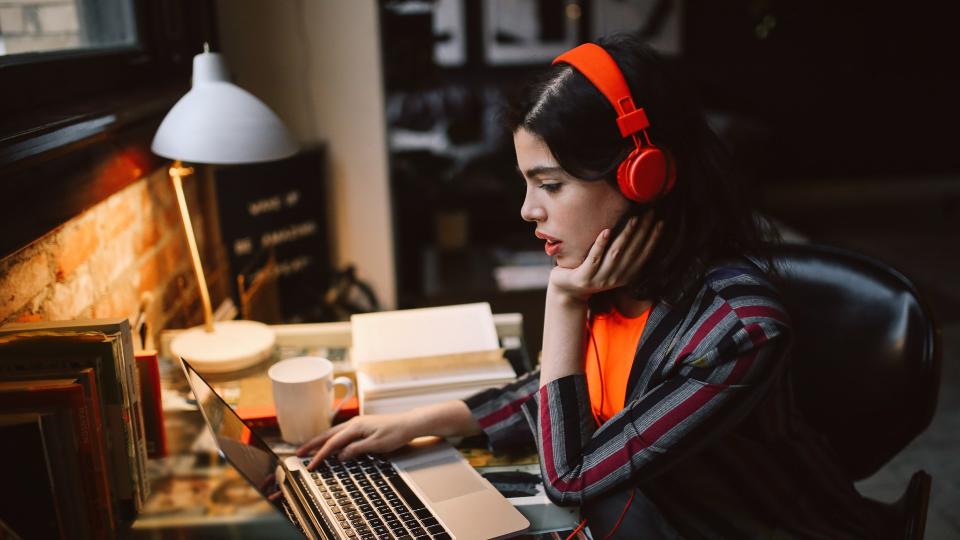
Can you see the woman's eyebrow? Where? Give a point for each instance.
(541, 169)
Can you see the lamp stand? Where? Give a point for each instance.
(177, 172)
(227, 345)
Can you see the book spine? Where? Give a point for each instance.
(105, 497)
(128, 365)
(148, 372)
(128, 417)
(141, 448)
(97, 498)
(61, 457)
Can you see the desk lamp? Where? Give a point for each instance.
(217, 122)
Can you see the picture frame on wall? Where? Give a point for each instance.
(529, 31)
(450, 32)
(659, 22)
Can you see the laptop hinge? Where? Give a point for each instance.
(302, 520)
(311, 508)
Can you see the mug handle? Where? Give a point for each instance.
(348, 383)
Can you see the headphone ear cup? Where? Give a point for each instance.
(646, 175)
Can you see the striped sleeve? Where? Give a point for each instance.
(722, 360)
(498, 411)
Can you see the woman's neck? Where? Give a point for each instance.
(629, 306)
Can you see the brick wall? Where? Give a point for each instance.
(104, 262)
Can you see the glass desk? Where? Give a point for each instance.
(194, 492)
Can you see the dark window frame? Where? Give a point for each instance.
(76, 126)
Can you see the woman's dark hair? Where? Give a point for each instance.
(706, 216)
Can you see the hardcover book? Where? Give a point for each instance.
(65, 397)
(31, 487)
(151, 401)
(86, 378)
(106, 347)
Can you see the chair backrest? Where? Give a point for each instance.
(866, 357)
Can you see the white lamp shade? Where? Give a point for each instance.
(218, 122)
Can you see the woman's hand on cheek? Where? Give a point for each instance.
(609, 264)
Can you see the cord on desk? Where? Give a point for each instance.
(578, 529)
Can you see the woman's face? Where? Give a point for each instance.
(569, 213)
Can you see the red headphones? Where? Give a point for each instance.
(648, 173)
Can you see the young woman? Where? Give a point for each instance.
(662, 403)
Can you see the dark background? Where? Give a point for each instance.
(810, 96)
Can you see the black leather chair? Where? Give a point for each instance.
(864, 323)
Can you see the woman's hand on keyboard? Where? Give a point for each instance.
(381, 433)
(367, 434)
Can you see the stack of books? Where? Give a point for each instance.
(408, 358)
(72, 429)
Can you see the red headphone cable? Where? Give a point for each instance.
(626, 507)
(578, 529)
(623, 513)
(596, 352)
(615, 525)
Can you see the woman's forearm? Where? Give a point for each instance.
(564, 336)
(445, 419)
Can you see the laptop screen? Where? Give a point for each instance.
(239, 445)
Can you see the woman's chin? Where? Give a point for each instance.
(566, 261)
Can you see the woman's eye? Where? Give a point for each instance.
(551, 188)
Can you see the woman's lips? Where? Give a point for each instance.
(551, 247)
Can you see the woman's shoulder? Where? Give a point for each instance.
(746, 287)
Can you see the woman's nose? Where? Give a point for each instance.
(531, 211)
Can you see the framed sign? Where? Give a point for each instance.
(449, 31)
(657, 21)
(279, 208)
(529, 31)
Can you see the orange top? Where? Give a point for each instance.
(614, 337)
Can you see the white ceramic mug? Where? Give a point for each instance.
(303, 396)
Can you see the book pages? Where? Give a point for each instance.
(409, 358)
(425, 332)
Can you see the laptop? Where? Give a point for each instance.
(423, 491)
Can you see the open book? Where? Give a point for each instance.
(415, 357)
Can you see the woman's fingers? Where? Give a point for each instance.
(362, 434)
(594, 258)
(599, 246)
(335, 442)
(621, 253)
(649, 243)
(643, 233)
(611, 257)
(318, 441)
(359, 447)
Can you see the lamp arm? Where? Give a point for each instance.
(177, 171)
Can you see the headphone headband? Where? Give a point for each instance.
(599, 68)
(647, 174)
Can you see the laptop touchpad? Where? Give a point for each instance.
(445, 478)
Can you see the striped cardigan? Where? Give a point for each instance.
(707, 383)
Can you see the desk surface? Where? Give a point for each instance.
(195, 493)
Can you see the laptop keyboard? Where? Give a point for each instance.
(370, 500)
